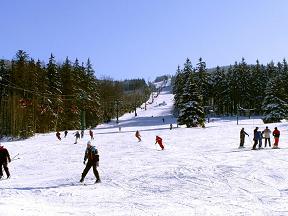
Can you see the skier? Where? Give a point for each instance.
(91, 153)
(159, 141)
(82, 134)
(255, 138)
(171, 126)
(242, 138)
(276, 134)
(137, 134)
(91, 134)
(4, 159)
(260, 137)
(58, 135)
(77, 135)
(267, 133)
(65, 133)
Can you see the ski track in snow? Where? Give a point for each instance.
(200, 172)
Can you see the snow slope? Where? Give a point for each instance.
(200, 172)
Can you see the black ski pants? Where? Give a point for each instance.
(255, 144)
(87, 168)
(242, 140)
(4, 165)
(268, 142)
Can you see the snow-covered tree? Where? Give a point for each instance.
(191, 112)
(274, 107)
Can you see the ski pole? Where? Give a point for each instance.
(13, 159)
(14, 156)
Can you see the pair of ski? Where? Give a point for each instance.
(256, 149)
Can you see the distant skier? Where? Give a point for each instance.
(260, 137)
(58, 135)
(163, 120)
(267, 133)
(65, 133)
(91, 134)
(159, 141)
(4, 159)
(242, 137)
(171, 126)
(82, 134)
(137, 134)
(255, 138)
(276, 134)
(77, 136)
(91, 153)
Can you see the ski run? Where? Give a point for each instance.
(201, 171)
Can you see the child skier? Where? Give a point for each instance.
(159, 141)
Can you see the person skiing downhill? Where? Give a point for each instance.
(65, 133)
(91, 153)
(137, 134)
(91, 134)
(159, 141)
(4, 159)
(276, 134)
(58, 135)
(77, 136)
(242, 138)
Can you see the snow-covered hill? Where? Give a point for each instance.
(200, 172)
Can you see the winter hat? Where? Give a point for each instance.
(89, 143)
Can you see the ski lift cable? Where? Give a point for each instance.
(40, 94)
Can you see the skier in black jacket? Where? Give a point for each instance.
(91, 153)
(242, 137)
(4, 159)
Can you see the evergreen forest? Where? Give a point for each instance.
(239, 89)
(38, 97)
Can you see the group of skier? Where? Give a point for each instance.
(91, 154)
(259, 135)
(76, 134)
(158, 139)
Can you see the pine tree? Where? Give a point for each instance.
(274, 107)
(219, 90)
(202, 81)
(191, 112)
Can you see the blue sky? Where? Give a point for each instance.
(145, 38)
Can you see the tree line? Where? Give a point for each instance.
(36, 97)
(234, 90)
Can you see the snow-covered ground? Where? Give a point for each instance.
(200, 172)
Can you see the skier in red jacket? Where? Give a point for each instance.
(276, 134)
(159, 141)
